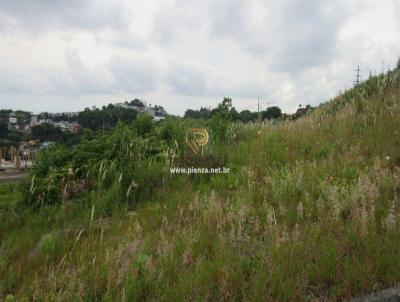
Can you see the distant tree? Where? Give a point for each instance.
(218, 125)
(64, 117)
(4, 116)
(46, 132)
(203, 113)
(23, 118)
(172, 132)
(234, 115)
(144, 124)
(224, 110)
(398, 64)
(136, 102)
(190, 113)
(106, 117)
(44, 115)
(225, 105)
(14, 136)
(246, 116)
(3, 129)
(271, 113)
(5, 111)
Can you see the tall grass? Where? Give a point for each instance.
(309, 212)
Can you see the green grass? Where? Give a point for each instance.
(309, 212)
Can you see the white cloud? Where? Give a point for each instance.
(182, 54)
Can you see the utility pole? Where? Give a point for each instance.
(258, 109)
(357, 76)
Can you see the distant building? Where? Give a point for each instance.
(34, 120)
(160, 111)
(126, 105)
(159, 118)
(150, 111)
(68, 126)
(123, 105)
(12, 119)
(66, 114)
(46, 121)
(141, 107)
(45, 145)
(76, 128)
(302, 111)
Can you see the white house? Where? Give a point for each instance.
(159, 118)
(34, 120)
(45, 121)
(12, 119)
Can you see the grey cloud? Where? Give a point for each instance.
(17, 81)
(191, 80)
(47, 15)
(187, 80)
(308, 36)
(292, 37)
(228, 18)
(80, 79)
(179, 19)
(120, 75)
(134, 76)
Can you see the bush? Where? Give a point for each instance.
(126, 158)
(219, 128)
(144, 125)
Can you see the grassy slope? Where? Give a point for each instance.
(309, 211)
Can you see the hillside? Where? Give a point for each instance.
(309, 210)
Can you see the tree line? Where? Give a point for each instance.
(226, 111)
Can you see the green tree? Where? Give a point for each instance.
(203, 113)
(3, 130)
(246, 116)
(46, 132)
(144, 124)
(225, 105)
(272, 113)
(106, 117)
(225, 110)
(172, 130)
(136, 102)
(218, 125)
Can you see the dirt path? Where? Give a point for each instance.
(387, 295)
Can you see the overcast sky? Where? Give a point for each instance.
(65, 55)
